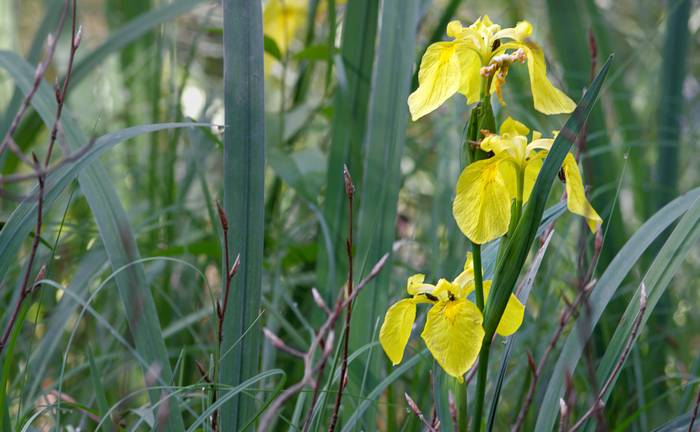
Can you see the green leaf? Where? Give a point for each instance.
(381, 180)
(272, 48)
(319, 52)
(673, 70)
(244, 174)
(302, 170)
(665, 266)
(600, 160)
(605, 290)
(517, 248)
(99, 390)
(353, 69)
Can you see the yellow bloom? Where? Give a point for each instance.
(453, 329)
(483, 51)
(282, 19)
(485, 189)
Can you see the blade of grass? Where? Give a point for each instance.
(7, 358)
(669, 130)
(116, 233)
(523, 296)
(98, 388)
(49, 22)
(384, 145)
(657, 278)
(350, 107)
(516, 251)
(674, 65)
(91, 61)
(602, 294)
(377, 391)
(572, 47)
(244, 169)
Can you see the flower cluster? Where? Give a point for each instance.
(483, 50)
(453, 329)
(491, 190)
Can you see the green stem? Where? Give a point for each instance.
(481, 385)
(486, 121)
(478, 276)
(459, 392)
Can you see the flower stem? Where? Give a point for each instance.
(481, 385)
(478, 276)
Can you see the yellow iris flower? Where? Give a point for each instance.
(453, 329)
(282, 19)
(486, 188)
(477, 55)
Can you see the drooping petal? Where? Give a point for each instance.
(533, 165)
(512, 316)
(396, 329)
(453, 333)
(470, 63)
(547, 98)
(576, 195)
(482, 205)
(439, 78)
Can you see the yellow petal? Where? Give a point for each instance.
(453, 334)
(439, 78)
(539, 144)
(396, 329)
(576, 195)
(519, 33)
(482, 205)
(512, 316)
(513, 127)
(470, 63)
(532, 170)
(547, 98)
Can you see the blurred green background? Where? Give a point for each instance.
(335, 87)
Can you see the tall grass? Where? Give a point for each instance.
(191, 265)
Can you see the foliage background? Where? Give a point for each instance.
(640, 153)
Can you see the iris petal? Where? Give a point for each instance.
(576, 195)
(482, 205)
(439, 78)
(396, 329)
(453, 333)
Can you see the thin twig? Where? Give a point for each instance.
(598, 401)
(231, 271)
(564, 319)
(52, 42)
(26, 289)
(350, 192)
(323, 338)
(418, 413)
